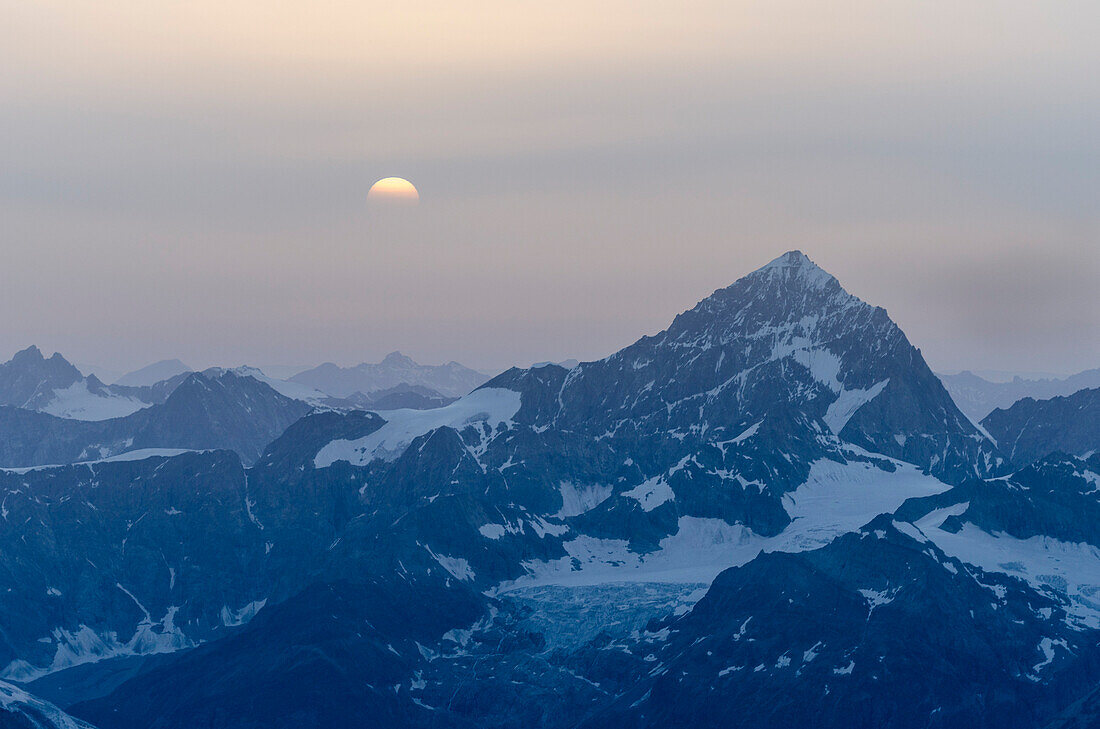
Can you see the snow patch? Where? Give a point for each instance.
(85, 645)
(233, 618)
(493, 406)
(576, 500)
(651, 494)
(458, 567)
(77, 402)
(848, 402)
(136, 455)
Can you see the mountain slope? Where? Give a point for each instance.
(153, 373)
(1031, 429)
(203, 411)
(338, 655)
(56, 387)
(701, 435)
(123, 558)
(20, 710)
(880, 628)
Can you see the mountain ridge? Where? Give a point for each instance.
(451, 379)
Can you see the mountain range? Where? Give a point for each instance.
(770, 514)
(978, 397)
(449, 380)
(53, 386)
(204, 411)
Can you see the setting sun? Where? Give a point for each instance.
(393, 190)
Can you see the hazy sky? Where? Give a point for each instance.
(189, 179)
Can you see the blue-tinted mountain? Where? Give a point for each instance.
(157, 553)
(122, 558)
(31, 381)
(544, 551)
(1031, 429)
(203, 411)
(337, 655)
(1055, 498)
(451, 379)
(153, 373)
(403, 396)
(20, 710)
(978, 397)
(880, 628)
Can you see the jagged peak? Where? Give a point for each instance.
(32, 357)
(30, 353)
(788, 288)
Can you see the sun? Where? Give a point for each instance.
(393, 190)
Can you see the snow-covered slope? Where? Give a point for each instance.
(286, 388)
(80, 402)
(703, 443)
(489, 406)
(54, 386)
(20, 710)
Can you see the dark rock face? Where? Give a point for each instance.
(337, 655)
(28, 380)
(123, 558)
(1031, 429)
(879, 628)
(228, 411)
(1055, 497)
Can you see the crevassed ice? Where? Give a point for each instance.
(836, 498)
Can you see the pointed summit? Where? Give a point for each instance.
(792, 259)
(785, 347)
(795, 266)
(30, 354)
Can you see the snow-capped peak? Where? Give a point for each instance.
(796, 265)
